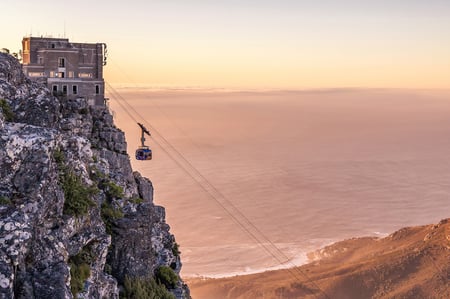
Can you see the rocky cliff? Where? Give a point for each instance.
(75, 220)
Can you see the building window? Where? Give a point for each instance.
(85, 75)
(64, 89)
(53, 46)
(61, 62)
(71, 74)
(60, 75)
(55, 89)
(41, 60)
(74, 89)
(97, 89)
(36, 74)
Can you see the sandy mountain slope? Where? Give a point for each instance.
(411, 263)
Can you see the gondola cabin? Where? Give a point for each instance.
(143, 153)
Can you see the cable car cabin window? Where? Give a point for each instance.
(143, 154)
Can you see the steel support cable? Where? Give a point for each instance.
(273, 251)
(200, 179)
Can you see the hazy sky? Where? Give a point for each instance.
(251, 43)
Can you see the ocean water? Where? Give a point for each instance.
(256, 180)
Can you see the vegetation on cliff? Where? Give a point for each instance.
(166, 276)
(144, 288)
(6, 110)
(78, 196)
(80, 269)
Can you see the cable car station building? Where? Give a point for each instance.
(72, 70)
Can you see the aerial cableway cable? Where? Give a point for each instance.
(230, 209)
(215, 194)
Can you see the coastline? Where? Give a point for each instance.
(412, 262)
(298, 259)
(294, 255)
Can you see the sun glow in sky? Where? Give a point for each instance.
(251, 43)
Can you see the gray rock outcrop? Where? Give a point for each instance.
(74, 218)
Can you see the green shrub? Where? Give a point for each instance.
(166, 276)
(59, 157)
(109, 214)
(95, 174)
(77, 196)
(137, 200)
(78, 275)
(112, 190)
(80, 269)
(4, 201)
(7, 111)
(176, 249)
(144, 288)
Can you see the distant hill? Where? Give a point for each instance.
(411, 263)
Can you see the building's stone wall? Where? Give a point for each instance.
(70, 69)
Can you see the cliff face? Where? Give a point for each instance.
(74, 217)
